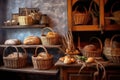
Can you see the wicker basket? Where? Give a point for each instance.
(49, 40)
(25, 20)
(96, 53)
(42, 63)
(116, 14)
(14, 62)
(112, 54)
(81, 18)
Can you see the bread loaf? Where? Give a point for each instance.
(32, 40)
(12, 41)
(90, 47)
(14, 55)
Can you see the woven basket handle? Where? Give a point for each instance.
(46, 28)
(26, 12)
(16, 51)
(111, 42)
(100, 42)
(111, 10)
(46, 52)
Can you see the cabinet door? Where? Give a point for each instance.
(113, 74)
(114, 77)
(71, 73)
(84, 15)
(80, 77)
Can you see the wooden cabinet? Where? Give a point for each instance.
(104, 24)
(113, 76)
(71, 71)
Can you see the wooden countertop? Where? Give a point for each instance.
(105, 63)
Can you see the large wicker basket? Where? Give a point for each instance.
(96, 53)
(49, 40)
(14, 62)
(111, 53)
(42, 63)
(81, 18)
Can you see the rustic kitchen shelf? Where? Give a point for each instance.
(51, 71)
(102, 24)
(22, 26)
(32, 46)
(86, 28)
(96, 28)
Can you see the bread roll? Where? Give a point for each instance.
(90, 60)
(32, 40)
(52, 34)
(14, 55)
(44, 55)
(12, 41)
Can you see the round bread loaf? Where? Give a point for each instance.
(32, 40)
(90, 47)
(12, 41)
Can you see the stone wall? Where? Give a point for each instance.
(55, 9)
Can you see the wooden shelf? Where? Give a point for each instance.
(112, 27)
(22, 26)
(86, 28)
(95, 28)
(51, 71)
(32, 46)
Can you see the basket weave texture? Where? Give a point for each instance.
(42, 63)
(26, 19)
(96, 53)
(111, 53)
(49, 40)
(81, 17)
(16, 62)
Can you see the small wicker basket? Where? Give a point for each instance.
(97, 53)
(116, 14)
(49, 40)
(15, 62)
(81, 18)
(112, 54)
(42, 63)
(25, 20)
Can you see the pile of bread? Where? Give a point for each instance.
(67, 59)
(68, 51)
(16, 55)
(44, 55)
